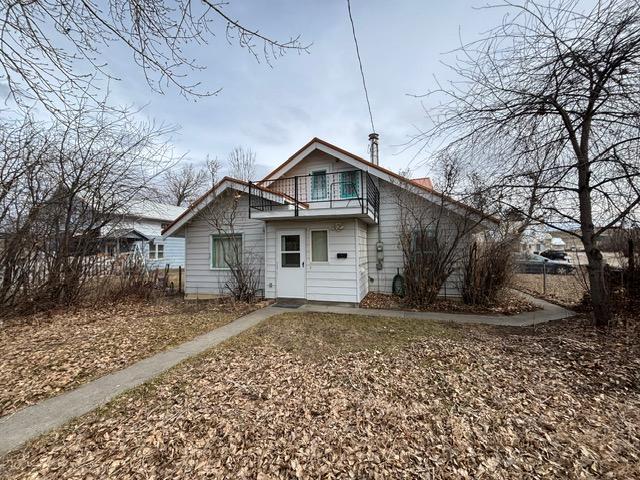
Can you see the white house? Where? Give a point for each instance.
(140, 225)
(322, 226)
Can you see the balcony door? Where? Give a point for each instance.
(319, 186)
(290, 261)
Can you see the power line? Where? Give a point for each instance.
(364, 84)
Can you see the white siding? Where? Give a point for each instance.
(389, 229)
(173, 253)
(174, 247)
(199, 277)
(318, 160)
(363, 259)
(334, 281)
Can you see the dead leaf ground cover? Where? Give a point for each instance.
(45, 354)
(567, 290)
(510, 302)
(327, 396)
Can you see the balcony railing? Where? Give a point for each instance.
(352, 188)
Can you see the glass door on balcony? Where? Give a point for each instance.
(350, 184)
(319, 185)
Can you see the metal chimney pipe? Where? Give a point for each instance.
(373, 148)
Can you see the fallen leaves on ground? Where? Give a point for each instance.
(567, 290)
(509, 303)
(45, 354)
(472, 402)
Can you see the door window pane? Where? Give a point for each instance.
(349, 184)
(290, 243)
(319, 246)
(291, 260)
(319, 185)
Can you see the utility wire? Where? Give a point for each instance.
(364, 84)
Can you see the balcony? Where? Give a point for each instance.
(351, 193)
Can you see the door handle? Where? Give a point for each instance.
(302, 264)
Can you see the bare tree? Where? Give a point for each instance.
(213, 166)
(53, 51)
(243, 267)
(182, 185)
(74, 179)
(242, 164)
(548, 105)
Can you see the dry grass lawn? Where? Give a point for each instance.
(564, 289)
(319, 395)
(46, 354)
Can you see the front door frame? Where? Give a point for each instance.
(287, 276)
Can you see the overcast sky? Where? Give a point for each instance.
(275, 111)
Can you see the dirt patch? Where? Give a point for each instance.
(510, 303)
(352, 400)
(567, 290)
(43, 355)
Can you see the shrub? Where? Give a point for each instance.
(486, 271)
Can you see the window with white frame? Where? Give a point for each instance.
(226, 250)
(319, 246)
(156, 251)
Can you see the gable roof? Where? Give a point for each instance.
(211, 194)
(141, 208)
(130, 233)
(381, 172)
(314, 144)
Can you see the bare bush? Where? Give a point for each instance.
(242, 268)
(486, 271)
(434, 233)
(75, 178)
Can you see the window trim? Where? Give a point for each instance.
(311, 260)
(211, 236)
(153, 248)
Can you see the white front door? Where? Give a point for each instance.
(291, 260)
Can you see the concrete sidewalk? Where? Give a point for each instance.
(28, 423)
(548, 312)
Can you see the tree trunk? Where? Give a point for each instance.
(598, 288)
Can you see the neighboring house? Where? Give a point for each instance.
(557, 244)
(140, 226)
(322, 226)
(535, 241)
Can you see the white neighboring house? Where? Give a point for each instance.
(558, 244)
(140, 226)
(322, 226)
(535, 242)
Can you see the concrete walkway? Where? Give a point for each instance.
(30, 422)
(548, 312)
